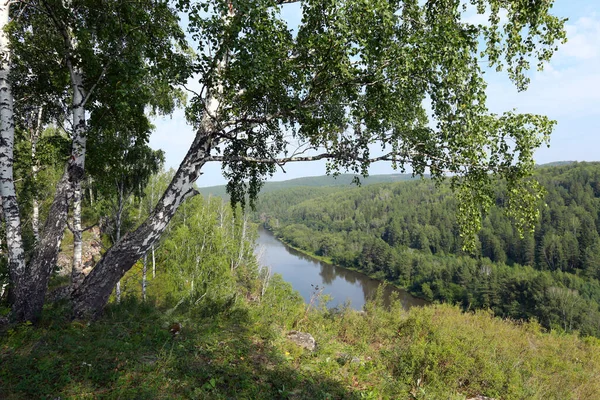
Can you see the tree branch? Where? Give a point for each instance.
(322, 156)
(89, 93)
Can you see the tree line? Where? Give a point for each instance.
(407, 233)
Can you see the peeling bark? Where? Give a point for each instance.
(10, 207)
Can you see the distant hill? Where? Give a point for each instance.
(555, 164)
(340, 180)
(315, 181)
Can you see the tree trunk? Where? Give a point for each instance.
(10, 207)
(30, 299)
(91, 297)
(77, 270)
(35, 167)
(153, 264)
(90, 182)
(144, 276)
(118, 220)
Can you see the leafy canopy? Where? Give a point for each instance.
(360, 81)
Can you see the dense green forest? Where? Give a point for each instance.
(407, 234)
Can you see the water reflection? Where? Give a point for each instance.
(304, 273)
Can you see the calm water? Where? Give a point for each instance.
(302, 272)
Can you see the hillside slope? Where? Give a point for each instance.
(242, 352)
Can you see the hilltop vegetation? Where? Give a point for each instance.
(328, 181)
(407, 234)
(241, 351)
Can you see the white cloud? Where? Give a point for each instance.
(583, 39)
(568, 87)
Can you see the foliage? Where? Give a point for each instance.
(233, 344)
(403, 76)
(206, 257)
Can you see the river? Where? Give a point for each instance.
(304, 273)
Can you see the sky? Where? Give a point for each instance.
(568, 91)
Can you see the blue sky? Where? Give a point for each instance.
(568, 90)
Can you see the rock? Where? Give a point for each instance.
(303, 340)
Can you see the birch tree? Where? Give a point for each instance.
(10, 207)
(354, 74)
(356, 82)
(96, 52)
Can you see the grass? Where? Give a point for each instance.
(240, 351)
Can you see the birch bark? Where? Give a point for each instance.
(30, 299)
(77, 269)
(35, 167)
(118, 218)
(91, 297)
(10, 207)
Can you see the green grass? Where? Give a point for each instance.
(240, 351)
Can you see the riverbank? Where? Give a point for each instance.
(329, 261)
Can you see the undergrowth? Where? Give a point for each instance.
(238, 350)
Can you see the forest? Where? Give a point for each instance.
(407, 234)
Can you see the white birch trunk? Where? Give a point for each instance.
(77, 161)
(153, 264)
(77, 269)
(144, 269)
(10, 207)
(89, 300)
(90, 182)
(118, 219)
(35, 167)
